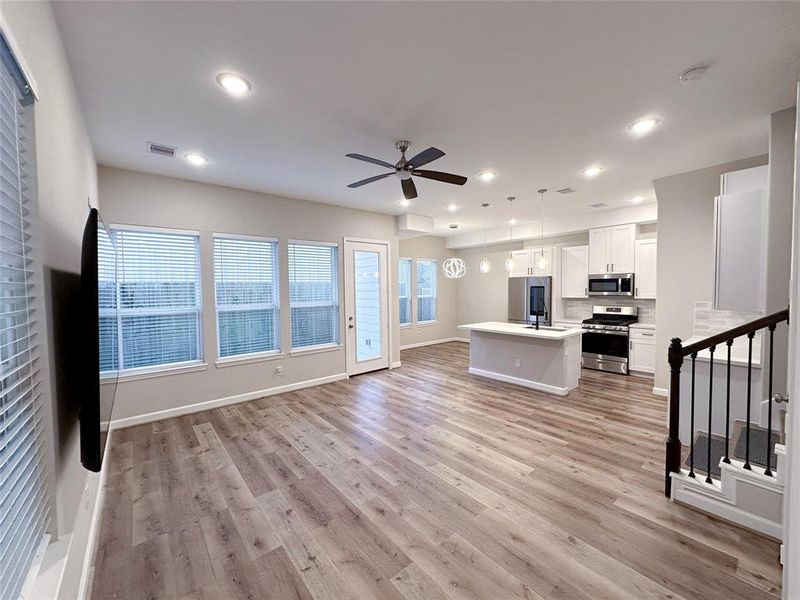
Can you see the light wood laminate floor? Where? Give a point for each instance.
(424, 483)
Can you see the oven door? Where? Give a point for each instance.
(605, 350)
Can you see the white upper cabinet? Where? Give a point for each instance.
(522, 263)
(611, 249)
(645, 268)
(574, 271)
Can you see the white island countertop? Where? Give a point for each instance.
(548, 333)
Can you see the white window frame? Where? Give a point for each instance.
(249, 356)
(411, 289)
(435, 295)
(166, 368)
(336, 270)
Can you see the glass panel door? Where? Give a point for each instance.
(367, 304)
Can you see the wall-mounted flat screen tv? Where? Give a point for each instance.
(99, 338)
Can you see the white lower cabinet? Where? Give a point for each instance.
(642, 350)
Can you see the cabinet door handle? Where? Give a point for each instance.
(612, 267)
(585, 291)
(637, 291)
(630, 345)
(647, 334)
(607, 269)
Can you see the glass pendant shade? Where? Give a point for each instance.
(485, 265)
(510, 263)
(454, 268)
(541, 262)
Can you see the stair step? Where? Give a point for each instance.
(701, 453)
(758, 444)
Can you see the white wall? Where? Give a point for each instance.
(66, 179)
(483, 297)
(686, 251)
(428, 246)
(133, 198)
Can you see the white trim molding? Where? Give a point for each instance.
(208, 404)
(658, 391)
(434, 342)
(542, 387)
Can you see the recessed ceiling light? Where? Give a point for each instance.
(234, 84)
(693, 74)
(512, 222)
(405, 202)
(592, 171)
(198, 160)
(487, 175)
(598, 205)
(643, 126)
(452, 207)
(453, 225)
(636, 199)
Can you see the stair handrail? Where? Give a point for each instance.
(675, 355)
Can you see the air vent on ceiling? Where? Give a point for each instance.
(161, 149)
(598, 205)
(566, 190)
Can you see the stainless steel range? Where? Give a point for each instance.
(605, 338)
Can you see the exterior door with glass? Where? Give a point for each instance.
(366, 275)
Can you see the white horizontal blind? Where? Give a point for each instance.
(426, 290)
(314, 294)
(405, 291)
(247, 295)
(158, 291)
(24, 508)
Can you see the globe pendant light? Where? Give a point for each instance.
(454, 268)
(541, 262)
(486, 264)
(510, 262)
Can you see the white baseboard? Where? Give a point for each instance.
(657, 391)
(434, 342)
(542, 387)
(395, 365)
(201, 406)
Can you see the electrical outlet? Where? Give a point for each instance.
(279, 370)
(419, 333)
(516, 362)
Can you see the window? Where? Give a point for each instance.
(426, 290)
(247, 295)
(314, 293)
(405, 291)
(24, 510)
(158, 294)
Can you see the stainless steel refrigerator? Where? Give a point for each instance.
(529, 297)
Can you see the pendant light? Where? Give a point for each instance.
(486, 264)
(541, 262)
(510, 262)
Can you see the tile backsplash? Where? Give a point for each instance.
(579, 308)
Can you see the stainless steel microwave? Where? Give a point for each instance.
(611, 284)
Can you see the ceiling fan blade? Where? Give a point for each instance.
(439, 176)
(369, 180)
(409, 189)
(424, 157)
(369, 159)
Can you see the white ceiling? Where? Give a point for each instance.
(535, 91)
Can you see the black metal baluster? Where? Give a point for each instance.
(749, 387)
(727, 459)
(768, 471)
(710, 403)
(691, 427)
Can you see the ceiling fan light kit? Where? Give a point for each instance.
(405, 168)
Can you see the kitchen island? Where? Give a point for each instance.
(547, 359)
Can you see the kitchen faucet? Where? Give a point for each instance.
(543, 305)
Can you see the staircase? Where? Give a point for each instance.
(738, 475)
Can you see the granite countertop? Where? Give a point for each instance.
(643, 326)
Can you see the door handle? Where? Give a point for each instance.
(350, 326)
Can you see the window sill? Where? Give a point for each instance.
(427, 323)
(315, 349)
(149, 372)
(244, 359)
(406, 325)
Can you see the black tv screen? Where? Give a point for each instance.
(99, 338)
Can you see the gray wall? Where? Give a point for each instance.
(133, 198)
(483, 297)
(66, 179)
(686, 251)
(428, 246)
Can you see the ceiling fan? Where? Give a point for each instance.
(405, 168)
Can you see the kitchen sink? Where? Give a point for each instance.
(547, 328)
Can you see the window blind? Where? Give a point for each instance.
(405, 291)
(24, 510)
(426, 290)
(314, 293)
(247, 295)
(158, 293)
